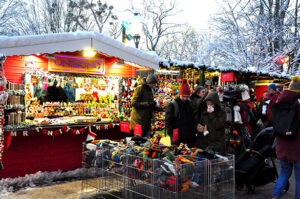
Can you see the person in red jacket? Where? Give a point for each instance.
(288, 150)
(273, 95)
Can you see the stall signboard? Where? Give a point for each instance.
(125, 127)
(137, 129)
(227, 77)
(71, 64)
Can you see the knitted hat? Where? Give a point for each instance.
(295, 84)
(272, 86)
(151, 79)
(184, 88)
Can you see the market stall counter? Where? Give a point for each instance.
(54, 97)
(50, 148)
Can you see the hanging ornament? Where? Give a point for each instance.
(13, 133)
(25, 133)
(45, 131)
(50, 133)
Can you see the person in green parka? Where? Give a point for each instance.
(143, 104)
(211, 124)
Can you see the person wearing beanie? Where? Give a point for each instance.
(179, 117)
(273, 95)
(272, 86)
(211, 126)
(288, 150)
(295, 84)
(143, 104)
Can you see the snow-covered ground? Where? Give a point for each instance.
(40, 179)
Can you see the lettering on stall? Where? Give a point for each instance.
(71, 64)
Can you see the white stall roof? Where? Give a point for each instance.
(75, 41)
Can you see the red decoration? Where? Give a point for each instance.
(227, 77)
(175, 135)
(125, 127)
(64, 128)
(81, 130)
(137, 129)
(56, 132)
(45, 131)
(282, 60)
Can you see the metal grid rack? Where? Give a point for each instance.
(134, 177)
(221, 178)
(90, 187)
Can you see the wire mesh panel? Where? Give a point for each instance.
(126, 175)
(176, 181)
(139, 177)
(90, 186)
(112, 182)
(221, 178)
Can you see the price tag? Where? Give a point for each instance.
(125, 127)
(175, 135)
(264, 109)
(137, 129)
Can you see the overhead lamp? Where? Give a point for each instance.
(49, 56)
(89, 52)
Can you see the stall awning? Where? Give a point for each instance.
(76, 41)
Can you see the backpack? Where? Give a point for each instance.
(285, 120)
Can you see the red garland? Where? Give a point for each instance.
(73, 131)
(45, 131)
(81, 130)
(56, 132)
(109, 125)
(64, 129)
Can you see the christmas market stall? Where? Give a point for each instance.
(239, 90)
(57, 91)
(206, 75)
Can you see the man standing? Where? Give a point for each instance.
(143, 104)
(273, 95)
(180, 123)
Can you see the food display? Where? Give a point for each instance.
(57, 99)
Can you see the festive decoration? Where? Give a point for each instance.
(62, 130)
(200, 66)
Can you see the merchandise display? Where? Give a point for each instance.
(161, 171)
(67, 99)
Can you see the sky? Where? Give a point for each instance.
(194, 12)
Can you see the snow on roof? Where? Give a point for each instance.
(75, 41)
(252, 69)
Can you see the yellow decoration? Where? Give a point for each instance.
(166, 141)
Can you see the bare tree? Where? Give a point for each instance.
(254, 33)
(54, 16)
(8, 11)
(101, 13)
(187, 45)
(158, 21)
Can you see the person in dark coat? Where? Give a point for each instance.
(143, 104)
(273, 95)
(180, 125)
(288, 151)
(197, 99)
(211, 125)
(199, 94)
(55, 93)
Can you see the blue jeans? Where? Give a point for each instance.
(285, 174)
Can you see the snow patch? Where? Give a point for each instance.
(45, 179)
